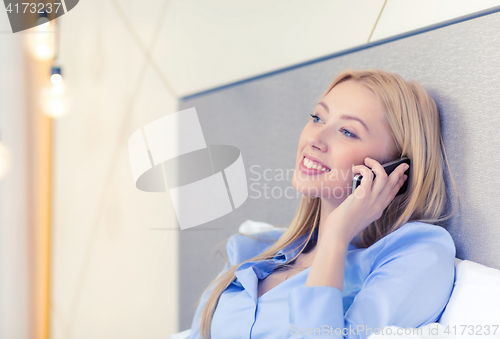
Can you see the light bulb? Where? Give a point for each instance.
(53, 100)
(56, 76)
(4, 160)
(41, 40)
(43, 22)
(56, 79)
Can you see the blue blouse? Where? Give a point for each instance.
(405, 279)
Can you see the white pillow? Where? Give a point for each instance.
(475, 301)
(252, 227)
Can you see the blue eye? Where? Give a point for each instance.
(343, 130)
(314, 117)
(349, 135)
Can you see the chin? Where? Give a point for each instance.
(310, 190)
(321, 189)
(299, 186)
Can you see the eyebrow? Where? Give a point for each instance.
(344, 116)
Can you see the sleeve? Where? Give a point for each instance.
(410, 281)
(239, 248)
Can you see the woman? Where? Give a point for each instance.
(349, 264)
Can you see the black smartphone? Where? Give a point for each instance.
(389, 167)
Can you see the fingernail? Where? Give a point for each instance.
(407, 166)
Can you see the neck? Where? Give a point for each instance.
(327, 207)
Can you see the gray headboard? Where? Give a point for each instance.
(264, 116)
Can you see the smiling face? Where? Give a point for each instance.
(349, 125)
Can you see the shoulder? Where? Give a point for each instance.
(412, 270)
(417, 240)
(241, 247)
(420, 233)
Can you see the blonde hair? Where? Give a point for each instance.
(414, 125)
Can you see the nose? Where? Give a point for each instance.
(317, 139)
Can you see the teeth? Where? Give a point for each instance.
(311, 164)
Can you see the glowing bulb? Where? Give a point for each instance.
(4, 160)
(41, 40)
(42, 50)
(43, 22)
(57, 108)
(53, 100)
(56, 77)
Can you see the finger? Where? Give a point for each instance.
(402, 168)
(398, 173)
(395, 189)
(393, 182)
(380, 175)
(366, 181)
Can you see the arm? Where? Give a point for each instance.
(353, 215)
(319, 304)
(409, 285)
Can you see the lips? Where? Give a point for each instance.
(315, 160)
(310, 171)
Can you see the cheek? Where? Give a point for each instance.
(343, 159)
(348, 156)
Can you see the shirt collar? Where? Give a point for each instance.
(284, 255)
(287, 253)
(250, 272)
(295, 246)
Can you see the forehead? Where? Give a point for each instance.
(354, 98)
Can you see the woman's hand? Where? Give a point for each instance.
(368, 201)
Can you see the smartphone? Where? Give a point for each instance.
(389, 167)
